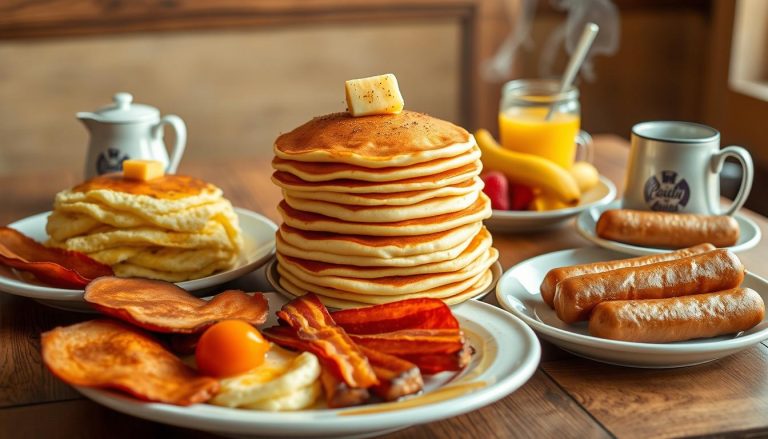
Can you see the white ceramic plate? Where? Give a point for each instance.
(507, 354)
(273, 277)
(749, 233)
(518, 292)
(525, 221)
(259, 246)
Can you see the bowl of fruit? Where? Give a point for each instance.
(529, 192)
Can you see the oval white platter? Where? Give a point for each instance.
(507, 353)
(259, 246)
(518, 292)
(749, 233)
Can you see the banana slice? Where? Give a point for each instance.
(375, 95)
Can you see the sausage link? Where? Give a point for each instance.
(703, 273)
(666, 229)
(556, 275)
(678, 318)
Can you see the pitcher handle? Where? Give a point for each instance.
(742, 155)
(181, 140)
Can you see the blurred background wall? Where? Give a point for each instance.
(240, 72)
(235, 89)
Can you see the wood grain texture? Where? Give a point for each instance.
(85, 420)
(538, 409)
(24, 377)
(567, 397)
(48, 18)
(484, 24)
(728, 395)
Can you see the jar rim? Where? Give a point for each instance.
(547, 89)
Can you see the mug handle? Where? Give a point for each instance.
(742, 155)
(584, 140)
(181, 139)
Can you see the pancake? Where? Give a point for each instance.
(373, 141)
(340, 299)
(476, 248)
(193, 218)
(385, 214)
(363, 261)
(132, 270)
(381, 208)
(291, 182)
(382, 247)
(61, 226)
(478, 211)
(390, 199)
(325, 171)
(165, 194)
(172, 228)
(392, 285)
(213, 236)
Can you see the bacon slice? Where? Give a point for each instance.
(313, 324)
(413, 341)
(338, 394)
(53, 266)
(397, 377)
(430, 364)
(108, 354)
(164, 307)
(422, 313)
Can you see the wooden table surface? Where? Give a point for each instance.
(567, 396)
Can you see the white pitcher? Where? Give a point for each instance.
(124, 131)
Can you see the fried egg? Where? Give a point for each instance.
(284, 381)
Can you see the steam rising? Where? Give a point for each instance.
(522, 12)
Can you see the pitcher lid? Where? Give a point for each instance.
(123, 109)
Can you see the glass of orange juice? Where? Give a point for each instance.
(526, 125)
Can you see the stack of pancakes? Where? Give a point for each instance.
(381, 208)
(173, 228)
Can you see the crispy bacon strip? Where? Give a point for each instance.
(435, 363)
(313, 324)
(109, 354)
(164, 307)
(404, 314)
(56, 267)
(413, 341)
(397, 377)
(337, 392)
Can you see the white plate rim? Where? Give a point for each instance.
(523, 360)
(273, 278)
(700, 346)
(511, 215)
(589, 233)
(39, 292)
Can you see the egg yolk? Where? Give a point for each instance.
(230, 347)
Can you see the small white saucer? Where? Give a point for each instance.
(749, 233)
(515, 221)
